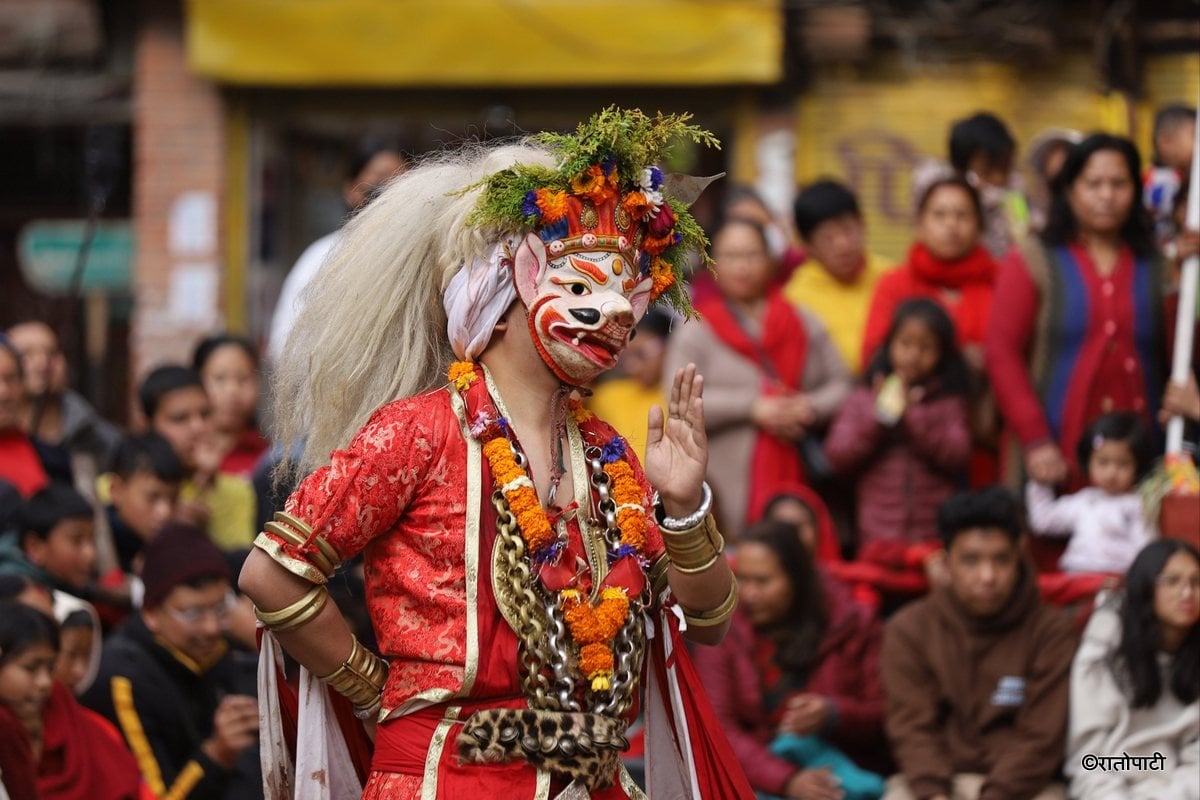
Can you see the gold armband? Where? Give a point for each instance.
(317, 565)
(360, 680)
(299, 613)
(707, 619)
(696, 549)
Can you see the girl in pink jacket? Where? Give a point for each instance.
(904, 433)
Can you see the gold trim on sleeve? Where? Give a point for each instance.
(189, 776)
(471, 547)
(298, 567)
(297, 533)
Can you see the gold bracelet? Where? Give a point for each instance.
(717, 556)
(657, 576)
(299, 613)
(694, 550)
(360, 678)
(708, 619)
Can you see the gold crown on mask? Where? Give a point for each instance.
(608, 194)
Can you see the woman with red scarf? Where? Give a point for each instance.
(946, 263)
(20, 465)
(771, 374)
(949, 264)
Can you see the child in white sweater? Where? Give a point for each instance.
(1105, 521)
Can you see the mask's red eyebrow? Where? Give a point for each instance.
(590, 270)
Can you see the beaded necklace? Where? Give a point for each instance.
(593, 622)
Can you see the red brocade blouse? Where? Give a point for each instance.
(413, 494)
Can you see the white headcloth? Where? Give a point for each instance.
(475, 300)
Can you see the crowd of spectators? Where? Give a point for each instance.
(927, 472)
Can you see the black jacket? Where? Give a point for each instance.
(163, 704)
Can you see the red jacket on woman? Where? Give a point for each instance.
(906, 471)
(1073, 343)
(922, 275)
(847, 673)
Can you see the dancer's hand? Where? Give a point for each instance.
(677, 452)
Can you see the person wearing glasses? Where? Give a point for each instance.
(167, 679)
(1135, 684)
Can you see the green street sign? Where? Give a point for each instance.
(48, 250)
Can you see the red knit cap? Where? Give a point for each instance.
(181, 552)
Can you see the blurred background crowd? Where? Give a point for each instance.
(937, 342)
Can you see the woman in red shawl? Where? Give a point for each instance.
(19, 462)
(46, 738)
(772, 375)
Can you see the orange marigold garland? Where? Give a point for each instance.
(592, 627)
(462, 375)
(522, 499)
(631, 516)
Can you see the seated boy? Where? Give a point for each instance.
(53, 541)
(143, 493)
(176, 407)
(976, 674)
(838, 280)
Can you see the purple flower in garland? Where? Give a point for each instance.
(503, 423)
(480, 424)
(550, 554)
(529, 207)
(644, 263)
(650, 179)
(613, 451)
(608, 164)
(621, 552)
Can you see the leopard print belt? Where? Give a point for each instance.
(577, 746)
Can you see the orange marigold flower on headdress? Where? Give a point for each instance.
(636, 205)
(552, 204)
(662, 283)
(663, 277)
(593, 184)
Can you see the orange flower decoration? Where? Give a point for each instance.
(552, 204)
(636, 205)
(522, 500)
(655, 245)
(663, 277)
(627, 493)
(593, 626)
(593, 184)
(462, 375)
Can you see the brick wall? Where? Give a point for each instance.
(179, 170)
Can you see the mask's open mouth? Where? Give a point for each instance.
(600, 347)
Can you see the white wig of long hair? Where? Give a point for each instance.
(373, 328)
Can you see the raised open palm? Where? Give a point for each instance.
(677, 452)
